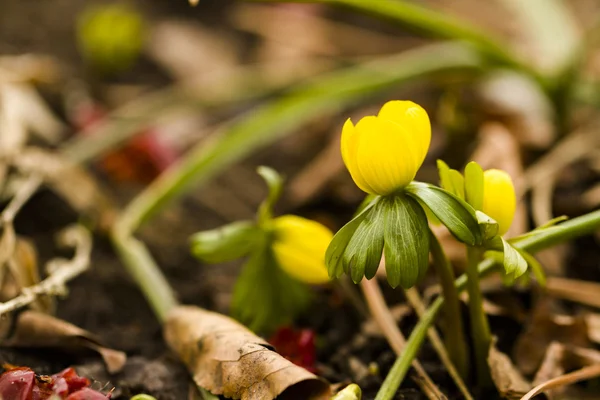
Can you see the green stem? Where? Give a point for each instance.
(400, 368)
(580, 226)
(141, 266)
(480, 328)
(453, 333)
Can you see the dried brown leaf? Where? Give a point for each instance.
(507, 378)
(559, 360)
(544, 328)
(35, 329)
(24, 272)
(226, 358)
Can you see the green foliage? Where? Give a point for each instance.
(406, 241)
(395, 225)
(265, 296)
(226, 243)
(334, 257)
(363, 254)
(455, 213)
(275, 184)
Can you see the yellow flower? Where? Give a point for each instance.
(300, 246)
(499, 200)
(384, 152)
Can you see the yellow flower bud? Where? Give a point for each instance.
(299, 246)
(499, 200)
(384, 152)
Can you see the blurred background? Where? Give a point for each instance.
(121, 91)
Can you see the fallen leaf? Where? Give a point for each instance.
(544, 328)
(23, 273)
(34, 329)
(226, 358)
(507, 378)
(559, 361)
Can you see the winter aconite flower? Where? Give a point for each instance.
(299, 245)
(499, 201)
(491, 195)
(384, 152)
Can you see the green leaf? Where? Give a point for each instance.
(458, 183)
(335, 251)
(458, 216)
(406, 238)
(474, 185)
(535, 266)
(366, 201)
(514, 263)
(226, 243)
(363, 253)
(264, 296)
(275, 184)
(488, 226)
(445, 180)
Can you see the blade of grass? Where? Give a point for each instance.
(432, 23)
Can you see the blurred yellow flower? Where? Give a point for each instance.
(499, 200)
(299, 247)
(384, 152)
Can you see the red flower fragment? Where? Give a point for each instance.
(21, 383)
(298, 346)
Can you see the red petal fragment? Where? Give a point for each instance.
(73, 381)
(298, 346)
(17, 384)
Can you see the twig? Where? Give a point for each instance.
(26, 190)
(387, 324)
(590, 372)
(61, 270)
(414, 298)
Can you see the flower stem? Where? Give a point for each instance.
(580, 226)
(480, 329)
(453, 333)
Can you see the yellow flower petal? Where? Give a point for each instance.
(349, 144)
(413, 118)
(385, 155)
(499, 200)
(299, 247)
(384, 152)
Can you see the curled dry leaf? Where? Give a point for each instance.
(22, 273)
(35, 329)
(507, 378)
(226, 358)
